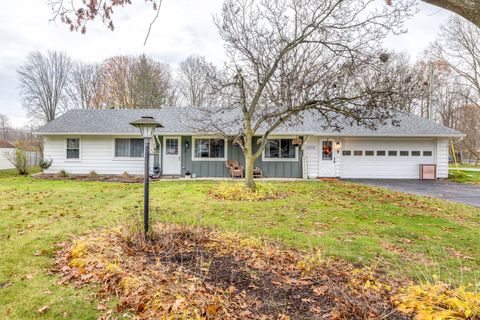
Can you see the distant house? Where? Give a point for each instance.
(5, 147)
(81, 141)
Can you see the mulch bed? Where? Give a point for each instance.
(90, 177)
(185, 273)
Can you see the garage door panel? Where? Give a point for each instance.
(387, 167)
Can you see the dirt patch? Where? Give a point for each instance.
(197, 273)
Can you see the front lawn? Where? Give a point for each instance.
(464, 176)
(407, 234)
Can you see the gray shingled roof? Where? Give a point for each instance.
(180, 120)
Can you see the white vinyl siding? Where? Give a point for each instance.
(97, 154)
(442, 158)
(392, 165)
(311, 152)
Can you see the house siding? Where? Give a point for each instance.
(96, 154)
(442, 158)
(280, 169)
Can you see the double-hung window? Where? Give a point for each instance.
(73, 148)
(209, 148)
(280, 149)
(129, 148)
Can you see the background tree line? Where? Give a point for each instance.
(443, 84)
(53, 83)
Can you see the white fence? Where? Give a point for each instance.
(33, 158)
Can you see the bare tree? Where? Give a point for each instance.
(458, 47)
(290, 58)
(116, 76)
(43, 80)
(468, 121)
(193, 77)
(76, 17)
(83, 86)
(4, 125)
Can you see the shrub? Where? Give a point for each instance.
(457, 175)
(93, 174)
(18, 158)
(63, 173)
(439, 301)
(45, 164)
(237, 191)
(126, 175)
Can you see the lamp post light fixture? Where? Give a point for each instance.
(147, 126)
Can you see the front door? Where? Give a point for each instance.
(172, 156)
(326, 166)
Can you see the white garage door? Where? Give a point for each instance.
(386, 158)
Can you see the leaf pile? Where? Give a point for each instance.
(194, 273)
(439, 301)
(237, 191)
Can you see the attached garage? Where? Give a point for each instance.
(392, 158)
(374, 157)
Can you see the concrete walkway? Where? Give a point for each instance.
(457, 192)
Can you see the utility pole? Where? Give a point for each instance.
(430, 91)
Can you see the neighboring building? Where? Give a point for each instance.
(5, 147)
(81, 141)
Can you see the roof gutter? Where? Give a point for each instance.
(336, 134)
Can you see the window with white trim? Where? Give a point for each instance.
(427, 153)
(280, 149)
(129, 148)
(209, 148)
(73, 148)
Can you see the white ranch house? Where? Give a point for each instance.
(82, 141)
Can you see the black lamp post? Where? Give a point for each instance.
(147, 126)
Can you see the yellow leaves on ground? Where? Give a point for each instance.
(238, 192)
(439, 301)
(195, 273)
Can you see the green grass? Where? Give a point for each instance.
(463, 165)
(464, 176)
(11, 173)
(350, 221)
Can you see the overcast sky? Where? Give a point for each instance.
(184, 27)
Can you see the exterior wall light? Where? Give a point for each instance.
(338, 146)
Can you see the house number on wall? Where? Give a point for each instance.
(310, 147)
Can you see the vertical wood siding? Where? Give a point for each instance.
(280, 169)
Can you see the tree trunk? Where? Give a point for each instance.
(249, 183)
(469, 9)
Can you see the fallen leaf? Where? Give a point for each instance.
(43, 309)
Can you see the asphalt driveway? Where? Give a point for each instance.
(458, 192)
